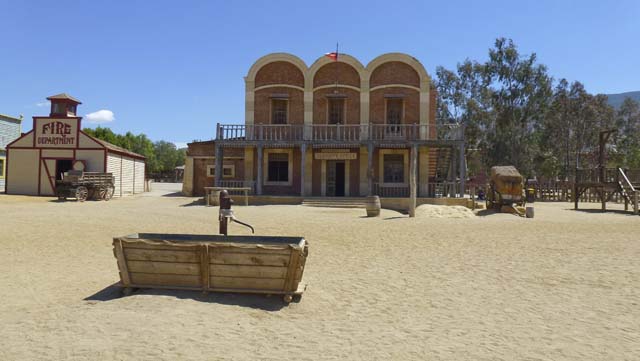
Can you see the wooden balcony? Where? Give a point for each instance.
(338, 133)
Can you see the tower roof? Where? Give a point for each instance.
(64, 96)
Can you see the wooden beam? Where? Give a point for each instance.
(413, 170)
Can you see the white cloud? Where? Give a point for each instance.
(101, 116)
(43, 104)
(180, 145)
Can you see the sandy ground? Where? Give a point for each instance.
(562, 286)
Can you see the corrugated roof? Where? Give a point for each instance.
(115, 148)
(64, 96)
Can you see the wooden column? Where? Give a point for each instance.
(452, 173)
(635, 202)
(303, 161)
(370, 150)
(463, 169)
(218, 170)
(413, 187)
(259, 171)
(603, 198)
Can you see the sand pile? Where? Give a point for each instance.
(434, 211)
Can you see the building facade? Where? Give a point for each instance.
(57, 144)
(10, 129)
(336, 128)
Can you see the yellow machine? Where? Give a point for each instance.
(506, 190)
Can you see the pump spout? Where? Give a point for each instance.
(244, 224)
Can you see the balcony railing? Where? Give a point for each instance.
(338, 132)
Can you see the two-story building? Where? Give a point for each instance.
(336, 128)
(10, 129)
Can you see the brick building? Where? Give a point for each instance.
(336, 128)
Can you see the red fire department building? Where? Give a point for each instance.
(57, 144)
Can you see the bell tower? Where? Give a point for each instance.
(63, 105)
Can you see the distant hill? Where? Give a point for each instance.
(615, 100)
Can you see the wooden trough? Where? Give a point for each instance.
(248, 264)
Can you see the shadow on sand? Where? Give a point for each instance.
(486, 212)
(196, 202)
(174, 194)
(614, 211)
(261, 302)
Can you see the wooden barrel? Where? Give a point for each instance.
(528, 212)
(373, 206)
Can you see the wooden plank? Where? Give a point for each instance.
(252, 250)
(164, 267)
(250, 259)
(204, 266)
(274, 284)
(175, 255)
(165, 280)
(122, 263)
(167, 247)
(248, 271)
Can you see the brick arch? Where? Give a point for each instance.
(394, 72)
(404, 69)
(278, 68)
(348, 61)
(326, 75)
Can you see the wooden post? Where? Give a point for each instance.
(463, 170)
(452, 173)
(218, 170)
(303, 161)
(370, 150)
(635, 202)
(259, 175)
(603, 198)
(413, 170)
(576, 196)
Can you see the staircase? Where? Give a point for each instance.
(629, 191)
(442, 170)
(334, 202)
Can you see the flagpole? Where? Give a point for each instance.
(337, 68)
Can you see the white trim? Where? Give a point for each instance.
(395, 86)
(212, 167)
(339, 86)
(279, 86)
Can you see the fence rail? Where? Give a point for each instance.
(338, 132)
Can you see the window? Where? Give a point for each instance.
(393, 168)
(336, 111)
(278, 168)
(1, 168)
(228, 171)
(58, 108)
(279, 111)
(394, 113)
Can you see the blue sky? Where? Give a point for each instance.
(172, 69)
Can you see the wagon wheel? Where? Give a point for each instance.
(101, 193)
(81, 193)
(108, 192)
(287, 298)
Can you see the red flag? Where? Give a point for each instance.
(332, 55)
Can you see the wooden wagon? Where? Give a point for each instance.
(246, 264)
(83, 185)
(506, 187)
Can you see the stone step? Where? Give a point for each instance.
(334, 202)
